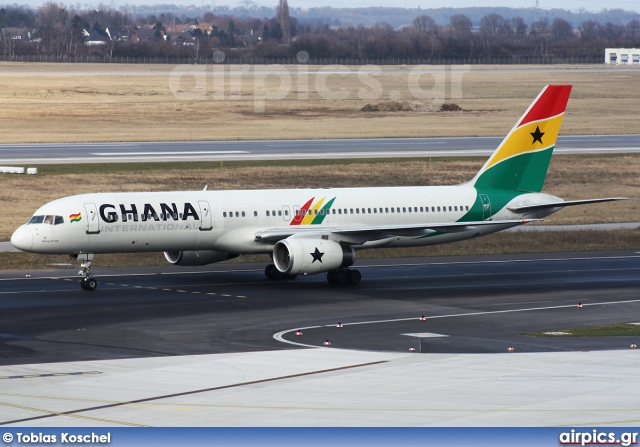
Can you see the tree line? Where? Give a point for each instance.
(61, 32)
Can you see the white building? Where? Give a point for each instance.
(622, 56)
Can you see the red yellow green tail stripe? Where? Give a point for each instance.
(521, 161)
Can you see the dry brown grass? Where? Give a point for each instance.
(85, 102)
(570, 177)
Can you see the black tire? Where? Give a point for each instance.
(342, 276)
(89, 283)
(354, 276)
(331, 276)
(92, 284)
(270, 271)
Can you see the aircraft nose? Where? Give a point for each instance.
(22, 239)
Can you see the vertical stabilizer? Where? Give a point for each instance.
(521, 161)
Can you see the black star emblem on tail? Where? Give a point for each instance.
(537, 135)
(317, 256)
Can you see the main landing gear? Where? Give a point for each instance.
(340, 276)
(88, 282)
(271, 272)
(344, 276)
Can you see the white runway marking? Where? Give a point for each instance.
(280, 335)
(425, 335)
(150, 154)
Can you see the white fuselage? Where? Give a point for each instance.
(228, 221)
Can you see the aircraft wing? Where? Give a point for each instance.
(543, 206)
(374, 233)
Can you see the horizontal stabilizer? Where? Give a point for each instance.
(545, 206)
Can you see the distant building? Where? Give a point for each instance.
(18, 34)
(622, 56)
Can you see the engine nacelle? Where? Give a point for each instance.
(193, 258)
(293, 256)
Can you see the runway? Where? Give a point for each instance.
(216, 346)
(54, 153)
(472, 305)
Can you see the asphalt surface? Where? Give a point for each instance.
(473, 304)
(33, 154)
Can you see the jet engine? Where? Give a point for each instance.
(193, 258)
(293, 256)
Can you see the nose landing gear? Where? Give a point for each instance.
(88, 282)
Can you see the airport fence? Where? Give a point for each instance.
(310, 61)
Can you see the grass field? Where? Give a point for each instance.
(86, 102)
(610, 330)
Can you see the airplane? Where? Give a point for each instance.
(311, 231)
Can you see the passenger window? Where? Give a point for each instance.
(255, 214)
(386, 210)
(438, 209)
(280, 213)
(357, 210)
(393, 210)
(267, 213)
(339, 211)
(237, 214)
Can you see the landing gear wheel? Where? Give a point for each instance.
(272, 272)
(342, 276)
(354, 276)
(88, 283)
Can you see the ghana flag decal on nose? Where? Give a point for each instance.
(75, 217)
(312, 213)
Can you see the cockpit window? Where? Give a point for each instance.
(50, 220)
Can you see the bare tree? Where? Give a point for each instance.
(284, 20)
(426, 28)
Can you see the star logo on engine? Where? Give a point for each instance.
(537, 135)
(317, 256)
